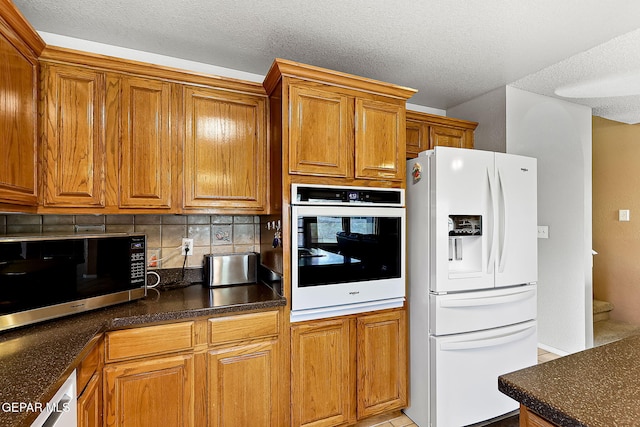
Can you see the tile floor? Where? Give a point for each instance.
(513, 421)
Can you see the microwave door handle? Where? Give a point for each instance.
(492, 341)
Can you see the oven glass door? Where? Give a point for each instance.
(357, 250)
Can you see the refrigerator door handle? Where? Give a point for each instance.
(492, 341)
(479, 302)
(492, 219)
(504, 225)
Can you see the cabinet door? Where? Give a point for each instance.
(381, 362)
(321, 373)
(18, 121)
(150, 392)
(90, 403)
(445, 136)
(224, 150)
(73, 144)
(380, 140)
(145, 148)
(320, 132)
(243, 386)
(417, 137)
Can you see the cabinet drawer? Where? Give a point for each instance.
(243, 326)
(149, 340)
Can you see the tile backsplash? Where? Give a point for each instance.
(210, 233)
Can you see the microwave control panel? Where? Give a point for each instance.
(138, 259)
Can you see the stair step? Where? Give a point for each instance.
(601, 310)
(601, 306)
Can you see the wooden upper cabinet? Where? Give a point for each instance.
(224, 150)
(380, 136)
(425, 131)
(321, 129)
(337, 128)
(145, 172)
(19, 49)
(448, 137)
(417, 136)
(73, 140)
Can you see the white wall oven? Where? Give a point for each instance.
(348, 250)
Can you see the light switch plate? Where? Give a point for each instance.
(624, 215)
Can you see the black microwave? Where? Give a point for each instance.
(47, 276)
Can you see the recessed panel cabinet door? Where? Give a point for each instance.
(224, 150)
(145, 148)
(18, 121)
(243, 386)
(382, 363)
(320, 132)
(321, 374)
(73, 143)
(150, 393)
(417, 136)
(380, 140)
(90, 403)
(448, 137)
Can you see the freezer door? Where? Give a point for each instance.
(462, 202)
(464, 372)
(474, 311)
(517, 225)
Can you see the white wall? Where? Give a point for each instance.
(558, 134)
(490, 111)
(423, 109)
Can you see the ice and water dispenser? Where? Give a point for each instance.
(465, 245)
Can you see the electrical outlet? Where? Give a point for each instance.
(187, 244)
(543, 232)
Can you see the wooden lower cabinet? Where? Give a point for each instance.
(382, 363)
(218, 372)
(90, 403)
(322, 373)
(243, 386)
(89, 383)
(528, 418)
(349, 368)
(150, 392)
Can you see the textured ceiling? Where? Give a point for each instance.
(450, 50)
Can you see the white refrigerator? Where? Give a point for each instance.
(472, 272)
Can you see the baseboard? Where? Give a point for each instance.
(552, 349)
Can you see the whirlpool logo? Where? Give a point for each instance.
(524, 169)
(354, 293)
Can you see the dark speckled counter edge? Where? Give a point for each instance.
(544, 409)
(123, 322)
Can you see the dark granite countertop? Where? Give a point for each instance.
(35, 360)
(598, 387)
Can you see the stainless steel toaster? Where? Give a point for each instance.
(229, 269)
